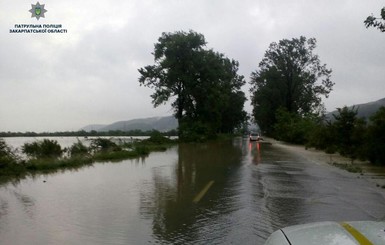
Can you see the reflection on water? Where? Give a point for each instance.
(3, 208)
(26, 202)
(176, 218)
(255, 189)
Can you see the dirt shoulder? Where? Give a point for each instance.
(363, 169)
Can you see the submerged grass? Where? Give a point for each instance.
(20, 169)
(115, 155)
(48, 165)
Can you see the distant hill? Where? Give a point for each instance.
(363, 110)
(162, 124)
(91, 127)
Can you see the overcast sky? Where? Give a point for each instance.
(89, 75)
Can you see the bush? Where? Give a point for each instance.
(51, 165)
(293, 128)
(157, 138)
(7, 156)
(323, 138)
(43, 149)
(194, 132)
(375, 138)
(78, 149)
(101, 144)
(142, 150)
(349, 132)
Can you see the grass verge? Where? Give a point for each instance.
(348, 167)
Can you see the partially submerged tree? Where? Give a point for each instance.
(103, 145)
(203, 85)
(215, 95)
(376, 22)
(290, 76)
(7, 155)
(45, 148)
(78, 149)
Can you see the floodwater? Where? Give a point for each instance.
(232, 192)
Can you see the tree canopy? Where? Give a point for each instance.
(348, 132)
(375, 137)
(290, 76)
(203, 85)
(376, 22)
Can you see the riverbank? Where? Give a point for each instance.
(363, 169)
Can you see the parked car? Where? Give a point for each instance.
(255, 136)
(344, 233)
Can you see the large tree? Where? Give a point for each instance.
(216, 93)
(203, 85)
(290, 76)
(376, 22)
(174, 69)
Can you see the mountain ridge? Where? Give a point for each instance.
(168, 123)
(364, 110)
(161, 124)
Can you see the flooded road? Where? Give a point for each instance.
(232, 192)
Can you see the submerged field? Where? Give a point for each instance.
(47, 155)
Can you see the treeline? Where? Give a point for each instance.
(287, 92)
(84, 133)
(345, 133)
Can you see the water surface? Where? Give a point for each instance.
(256, 189)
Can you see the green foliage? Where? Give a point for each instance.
(115, 155)
(83, 133)
(379, 23)
(42, 149)
(51, 165)
(290, 76)
(203, 84)
(101, 144)
(344, 135)
(175, 56)
(217, 97)
(45, 155)
(7, 155)
(352, 136)
(233, 116)
(194, 132)
(375, 138)
(349, 132)
(78, 149)
(157, 137)
(293, 128)
(322, 137)
(142, 150)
